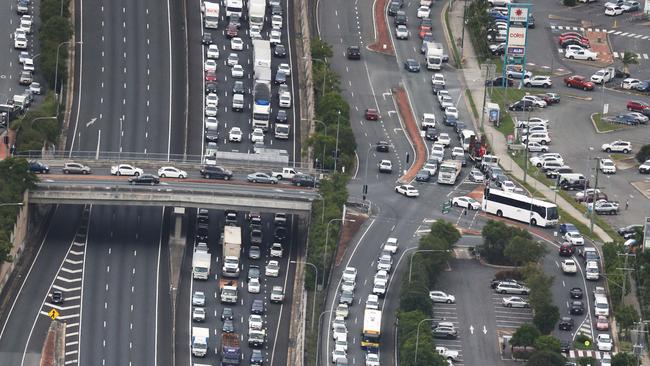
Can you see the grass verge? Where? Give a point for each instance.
(604, 126)
(471, 103)
(454, 48)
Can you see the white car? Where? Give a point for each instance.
(348, 285)
(338, 353)
(213, 51)
(407, 190)
(237, 71)
(126, 169)
(277, 294)
(233, 59)
(381, 276)
(285, 68)
(385, 166)
(342, 311)
(254, 286)
(236, 44)
(569, 266)
(401, 32)
(276, 37)
(341, 344)
(444, 139)
(508, 186)
(607, 166)
(235, 134)
(630, 83)
(35, 88)
(28, 64)
(340, 332)
(639, 117)
(539, 160)
(466, 202)
(339, 320)
(210, 111)
(581, 55)
(211, 123)
(272, 269)
(210, 65)
(514, 302)
(617, 146)
(440, 296)
(540, 137)
(211, 100)
(424, 12)
(379, 288)
(574, 237)
(276, 250)
(255, 322)
(476, 176)
(604, 342)
(198, 314)
(198, 299)
(437, 152)
(457, 152)
(539, 81)
(285, 100)
(372, 359)
(257, 136)
(580, 195)
(385, 263)
(350, 274)
(446, 101)
(537, 101)
(428, 120)
(613, 10)
(255, 31)
(171, 172)
(431, 167)
(536, 147)
(451, 111)
(276, 21)
(438, 79)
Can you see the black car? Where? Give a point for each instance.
(412, 65)
(238, 88)
(462, 159)
(254, 252)
(282, 116)
(226, 313)
(280, 78)
(426, 22)
(423, 176)
(228, 326)
(57, 297)
(215, 172)
(393, 8)
(431, 134)
(144, 179)
(207, 38)
(257, 358)
(566, 323)
(211, 136)
(256, 236)
(202, 216)
(276, 10)
(500, 81)
(304, 180)
(621, 74)
(565, 346)
(498, 50)
(257, 307)
(202, 232)
(354, 53)
(400, 18)
(211, 87)
(577, 308)
(231, 217)
(444, 332)
(280, 233)
(630, 231)
(460, 126)
(382, 146)
(280, 51)
(253, 272)
(38, 167)
(522, 105)
(576, 293)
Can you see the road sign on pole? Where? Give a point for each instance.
(446, 206)
(53, 314)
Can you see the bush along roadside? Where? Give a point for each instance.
(415, 304)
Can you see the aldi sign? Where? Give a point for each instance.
(518, 14)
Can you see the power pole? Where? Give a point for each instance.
(593, 200)
(625, 270)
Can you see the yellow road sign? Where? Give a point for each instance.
(53, 314)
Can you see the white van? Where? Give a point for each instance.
(592, 271)
(372, 302)
(601, 306)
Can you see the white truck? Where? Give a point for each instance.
(447, 353)
(449, 171)
(201, 265)
(603, 75)
(261, 57)
(256, 12)
(262, 102)
(285, 173)
(228, 289)
(211, 15)
(234, 7)
(231, 250)
(434, 55)
(200, 337)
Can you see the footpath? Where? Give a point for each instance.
(472, 78)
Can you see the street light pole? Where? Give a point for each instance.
(56, 74)
(584, 192)
(327, 237)
(336, 150)
(422, 251)
(320, 318)
(313, 307)
(324, 144)
(417, 338)
(593, 200)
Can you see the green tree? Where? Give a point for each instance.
(539, 284)
(643, 154)
(445, 231)
(320, 49)
(522, 250)
(415, 296)
(546, 358)
(408, 322)
(426, 351)
(625, 315)
(548, 343)
(546, 316)
(525, 336)
(15, 178)
(586, 361)
(623, 359)
(629, 58)
(495, 237)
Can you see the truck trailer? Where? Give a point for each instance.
(256, 13)
(201, 265)
(231, 242)
(200, 338)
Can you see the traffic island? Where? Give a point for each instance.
(600, 44)
(383, 43)
(406, 113)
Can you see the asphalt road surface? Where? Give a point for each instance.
(123, 97)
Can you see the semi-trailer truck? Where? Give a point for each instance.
(211, 15)
(231, 241)
(256, 12)
(200, 338)
(230, 349)
(201, 265)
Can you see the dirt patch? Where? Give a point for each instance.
(477, 193)
(402, 101)
(49, 349)
(348, 232)
(382, 42)
(600, 43)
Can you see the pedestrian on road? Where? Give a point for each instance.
(627, 204)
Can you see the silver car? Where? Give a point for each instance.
(76, 168)
(261, 178)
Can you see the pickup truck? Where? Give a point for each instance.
(603, 75)
(447, 353)
(286, 173)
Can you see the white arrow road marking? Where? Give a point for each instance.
(389, 112)
(90, 123)
(484, 329)
(385, 94)
(471, 329)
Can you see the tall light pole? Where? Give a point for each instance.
(327, 237)
(320, 318)
(56, 74)
(423, 251)
(336, 150)
(584, 192)
(313, 307)
(593, 200)
(417, 337)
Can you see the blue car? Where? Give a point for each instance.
(566, 228)
(497, 16)
(626, 119)
(412, 65)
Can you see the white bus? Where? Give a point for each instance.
(465, 137)
(519, 207)
(371, 329)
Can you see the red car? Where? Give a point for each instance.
(566, 250)
(425, 32)
(638, 106)
(573, 35)
(372, 114)
(210, 76)
(579, 82)
(574, 42)
(232, 31)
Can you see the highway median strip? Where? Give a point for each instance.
(405, 111)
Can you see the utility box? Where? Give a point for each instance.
(494, 113)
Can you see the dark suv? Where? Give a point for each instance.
(215, 172)
(354, 53)
(38, 167)
(304, 180)
(257, 307)
(522, 105)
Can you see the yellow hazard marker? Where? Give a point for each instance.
(53, 314)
